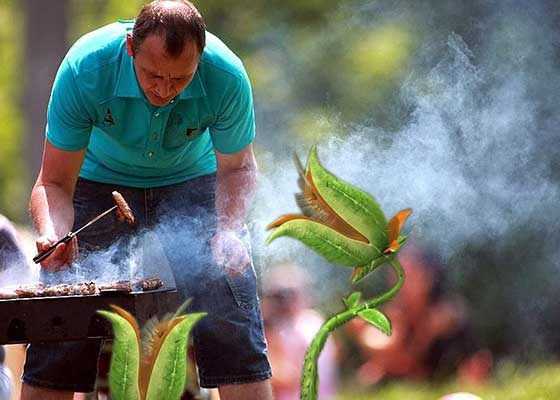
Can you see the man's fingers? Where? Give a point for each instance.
(230, 253)
(56, 260)
(70, 251)
(44, 242)
(218, 254)
(73, 249)
(63, 255)
(237, 265)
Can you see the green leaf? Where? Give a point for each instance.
(378, 262)
(402, 239)
(377, 319)
(169, 372)
(125, 361)
(352, 300)
(355, 206)
(370, 268)
(332, 245)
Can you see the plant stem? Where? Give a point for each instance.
(310, 377)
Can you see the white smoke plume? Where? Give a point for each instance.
(476, 158)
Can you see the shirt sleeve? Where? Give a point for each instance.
(68, 122)
(234, 128)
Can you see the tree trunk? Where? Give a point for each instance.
(45, 46)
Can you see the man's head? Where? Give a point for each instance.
(287, 291)
(166, 43)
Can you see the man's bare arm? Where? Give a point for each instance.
(236, 181)
(51, 201)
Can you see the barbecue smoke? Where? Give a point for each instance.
(475, 156)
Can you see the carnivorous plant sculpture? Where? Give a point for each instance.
(346, 226)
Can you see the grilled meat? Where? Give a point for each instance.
(152, 283)
(8, 292)
(148, 284)
(78, 289)
(124, 213)
(120, 286)
(39, 289)
(30, 290)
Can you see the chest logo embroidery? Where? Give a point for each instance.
(108, 120)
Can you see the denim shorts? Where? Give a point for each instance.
(229, 342)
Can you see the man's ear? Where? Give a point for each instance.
(129, 44)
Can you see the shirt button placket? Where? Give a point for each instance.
(154, 143)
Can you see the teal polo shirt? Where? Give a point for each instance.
(96, 103)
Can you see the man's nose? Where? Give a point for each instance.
(164, 88)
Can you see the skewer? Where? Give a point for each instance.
(124, 213)
(44, 254)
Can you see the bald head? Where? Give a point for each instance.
(177, 21)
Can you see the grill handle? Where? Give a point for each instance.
(44, 254)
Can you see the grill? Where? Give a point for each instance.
(63, 318)
(65, 314)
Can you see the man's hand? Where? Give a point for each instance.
(51, 203)
(236, 178)
(64, 254)
(230, 252)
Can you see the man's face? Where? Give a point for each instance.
(160, 76)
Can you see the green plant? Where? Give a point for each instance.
(347, 227)
(153, 368)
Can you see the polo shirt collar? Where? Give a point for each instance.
(194, 89)
(127, 84)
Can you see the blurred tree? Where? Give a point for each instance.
(45, 46)
(12, 192)
(88, 15)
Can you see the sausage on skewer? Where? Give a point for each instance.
(124, 213)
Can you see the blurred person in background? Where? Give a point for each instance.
(290, 325)
(432, 337)
(11, 256)
(160, 110)
(11, 252)
(6, 383)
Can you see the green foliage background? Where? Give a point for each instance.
(510, 383)
(12, 164)
(319, 68)
(307, 81)
(316, 67)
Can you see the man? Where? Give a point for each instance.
(161, 111)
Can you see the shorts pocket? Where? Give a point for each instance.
(244, 288)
